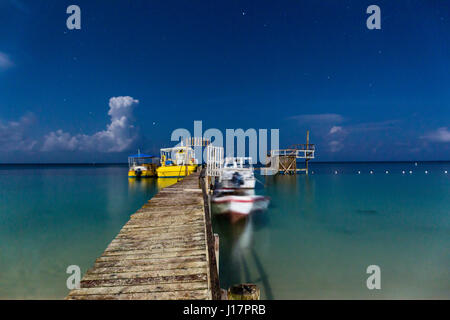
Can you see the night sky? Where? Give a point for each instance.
(137, 70)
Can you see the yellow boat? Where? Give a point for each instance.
(176, 162)
(142, 166)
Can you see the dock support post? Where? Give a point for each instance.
(244, 291)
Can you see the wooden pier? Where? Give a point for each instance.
(165, 251)
(284, 161)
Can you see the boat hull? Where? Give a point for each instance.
(247, 184)
(238, 207)
(143, 174)
(174, 171)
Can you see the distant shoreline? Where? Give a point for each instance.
(99, 164)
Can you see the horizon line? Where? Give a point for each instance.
(126, 163)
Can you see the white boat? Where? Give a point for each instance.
(237, 173)
(238, 205)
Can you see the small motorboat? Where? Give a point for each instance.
(237, 172)
(237, 204)
(141, 165)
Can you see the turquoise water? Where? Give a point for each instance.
(315, 241)
(55, 216)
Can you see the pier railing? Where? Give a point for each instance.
(302, 152)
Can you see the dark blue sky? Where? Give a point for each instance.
(293, 65)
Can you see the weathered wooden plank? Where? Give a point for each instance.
(148, 255)
(163, 295)
(143, 281)
(183, 233)
(146, 262)
(158, 247)
(169, 287)
(152, 267)
(127, 241)
(177, 220)
(165, 209)
(142, 236)
(144, 223)
(145, 274)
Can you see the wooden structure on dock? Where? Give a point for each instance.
(196, 142)
(284, 161)
(165, 251)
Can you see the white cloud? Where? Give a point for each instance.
(5, 61)
(60, 140)
(440, 135)
(14, 135)
(118, 136)
(335, 129)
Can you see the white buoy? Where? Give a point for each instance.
(359, 172)
(426, 172)
(415, 164)
(410, 172)
(371, 172)
(403, 172)
(335, 172)
(445, 171)
(387, 172)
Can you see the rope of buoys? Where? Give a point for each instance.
(386, 172)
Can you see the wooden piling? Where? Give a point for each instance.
(244, 291)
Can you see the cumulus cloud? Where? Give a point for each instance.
(14, 135)
(118, 136)
(440, 135)
(5, 61)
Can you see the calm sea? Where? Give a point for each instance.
(317, 239)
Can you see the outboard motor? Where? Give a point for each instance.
(237, 179)
(138, 173)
